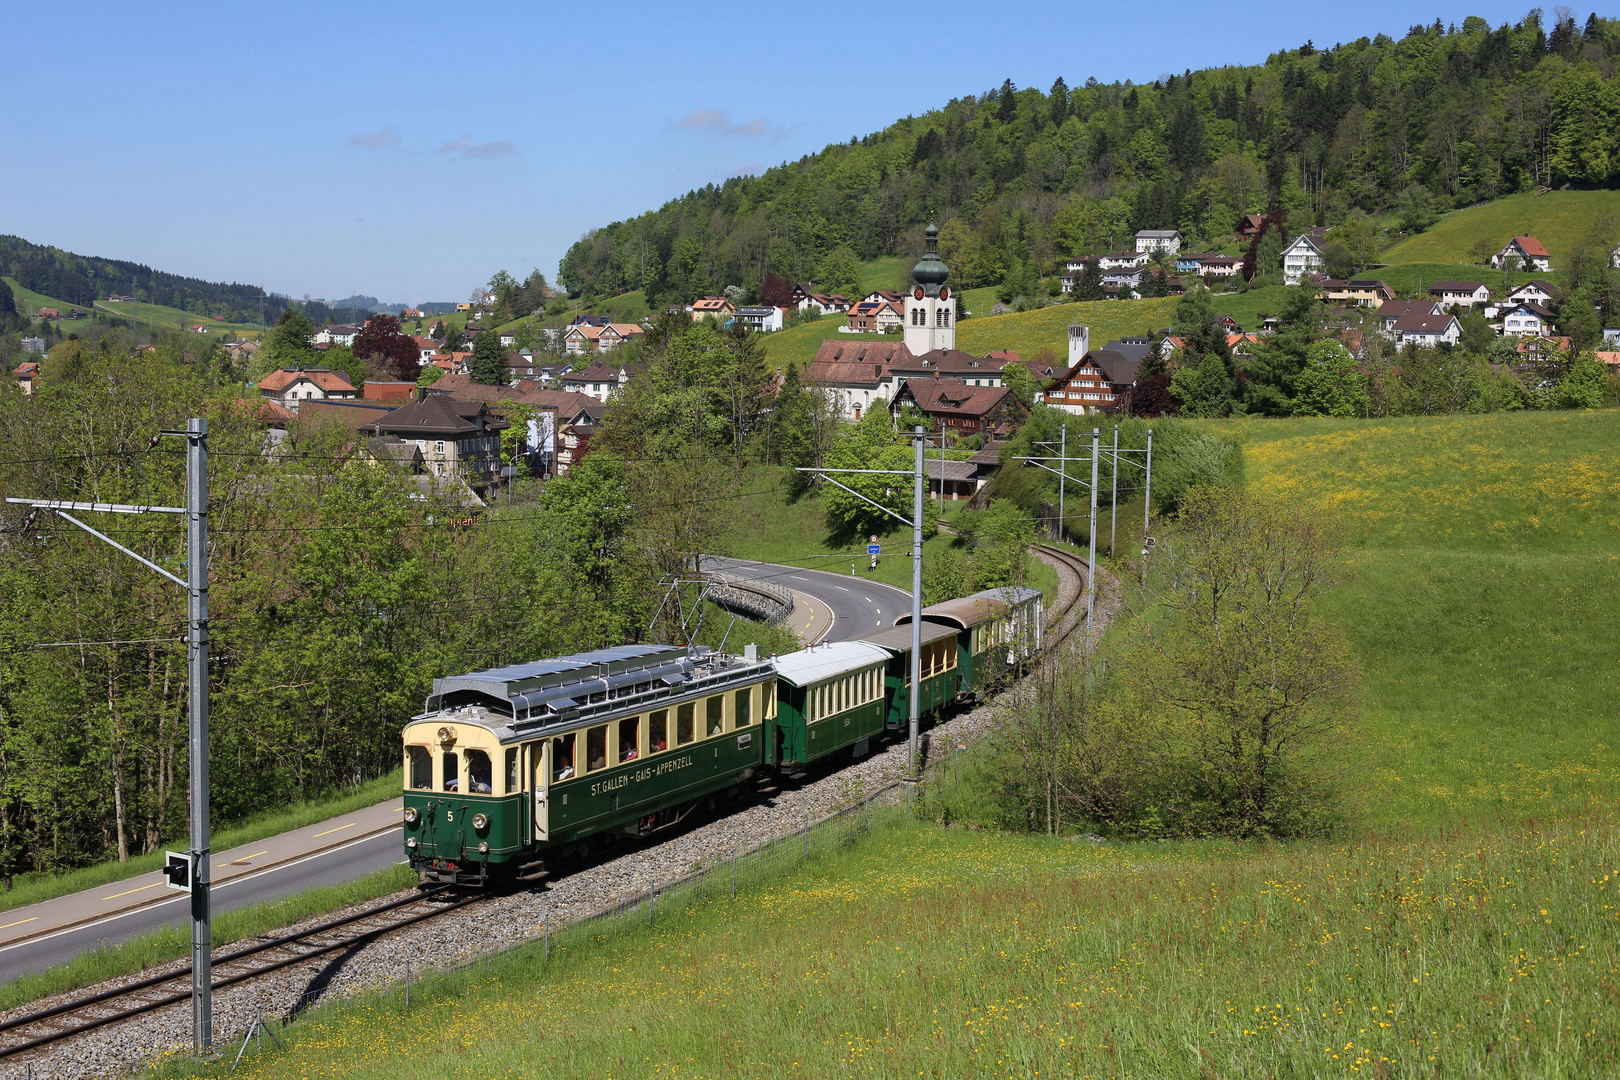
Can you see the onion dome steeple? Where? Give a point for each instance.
(931, 272)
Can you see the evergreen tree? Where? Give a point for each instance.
(488, 362)
(1060, 102)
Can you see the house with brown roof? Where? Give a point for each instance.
(951, 363)
(1524, 252)
(717, 306)
(856, 373)
(27, 376)
(875, 316)
(289, 386)
(954, 405)
(1249, 225)
(1464, 294)
(457, 438)
(1528, 319)
(240, 352)
(826, 303)
(583, 337)
(1094, 384)
(600, 381)
(1392, 311)
(1534, 292)
(1362, 292)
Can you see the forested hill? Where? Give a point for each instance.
(1447, 116)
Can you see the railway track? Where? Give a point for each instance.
(1062, 622)
(75, 1017)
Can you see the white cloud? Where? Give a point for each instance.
(386, 139)
(717, 122)
(462, 148)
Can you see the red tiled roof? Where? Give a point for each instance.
(1531, 246)
(329, 381)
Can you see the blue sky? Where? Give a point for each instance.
(408, 151)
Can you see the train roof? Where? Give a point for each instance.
(522, 700)
(897, 639)
(969, 611)
(828, 661)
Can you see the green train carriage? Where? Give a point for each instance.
(829, 697)
(997, 630)
(938, 669)
(508, 767)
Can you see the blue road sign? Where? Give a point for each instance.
(873, 549)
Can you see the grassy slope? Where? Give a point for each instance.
(1482, 603)
(1559, 219)
(946, 953)
(29, 303)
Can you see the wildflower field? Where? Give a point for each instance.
(1485, 569)
(924, 951)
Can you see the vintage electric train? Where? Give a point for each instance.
(510, 768)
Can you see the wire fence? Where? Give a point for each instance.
(745, 867)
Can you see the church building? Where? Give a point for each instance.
(930, 307)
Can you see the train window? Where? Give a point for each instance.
(769, 711)
(451, 762)
(562, 757)
(630, 738)
(479, 779)
(514, 779)
(715, 714)
(420, 763)
(658, 731)
(744, 713)
(683, 724)
(596, 748)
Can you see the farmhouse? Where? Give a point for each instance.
(1451, 294)
(288, 387)
(1534, 292)
(1304, 256)
(875, 316)
(951, 403)
(1526, 252)
(1528, 319)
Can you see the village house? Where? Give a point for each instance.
(34, 345)
(1528, 319)
(1219, 266)
(27, 376)
(762, 319)
(826, 303)
(1524, 252)
(46, 314)
(575, 418)
(1114, 260)
(457, 438)
(875, 316)
(599, 381)
(585, 337)
(951, 404)
(335, 334)
(1534, 292)
(1250, 225)
(1452, 294)
(716, 306)
(856, 373)
(1159, 241)
(240, 352)
(1423, 328)
(1362, 292)
(288, 387)
(880, 296)
(954, 480)
(950, 363)
(1304, 256)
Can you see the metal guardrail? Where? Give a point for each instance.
(761, 600)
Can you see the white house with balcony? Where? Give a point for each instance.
(1165, 242)
(1304, 256)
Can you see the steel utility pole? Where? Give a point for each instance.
(196, 585)
(202, 1006)
(1063, 473)
(1147, 503)
(916, 523)
(1113, 499)
(1091, 576)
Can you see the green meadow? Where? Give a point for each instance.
(1482, 554)
(1559, 219)
(926, 951)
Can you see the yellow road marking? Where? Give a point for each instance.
(143, 888)
(244, 858)
(340, 828)
(19, 922)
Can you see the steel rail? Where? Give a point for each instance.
(284, 941)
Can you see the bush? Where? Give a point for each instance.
(1185, 458)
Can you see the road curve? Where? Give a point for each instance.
(853, 605)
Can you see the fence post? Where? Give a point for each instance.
(806, 839)
(650, 901)
(547, 925)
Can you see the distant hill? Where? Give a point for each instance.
(1559, 219)
(1020, 178)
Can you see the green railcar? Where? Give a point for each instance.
(508, 767)
(940, 667)
(997, 630)
(829, 697)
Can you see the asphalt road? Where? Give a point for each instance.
(330, 867)
(858, 606)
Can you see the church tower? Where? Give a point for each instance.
(930, 307)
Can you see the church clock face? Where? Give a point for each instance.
(917, 293)
(944, 292)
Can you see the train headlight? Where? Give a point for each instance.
(411, 843)
(483, 848)
(480, 821)
(411, 815)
